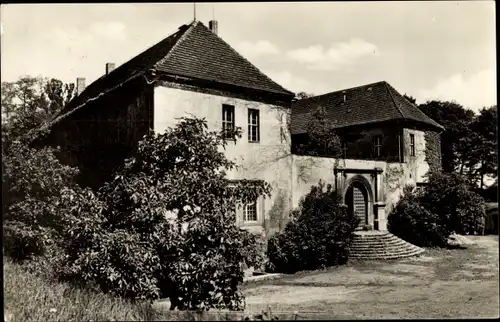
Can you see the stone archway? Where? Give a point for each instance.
(370, 205)
(358, 197)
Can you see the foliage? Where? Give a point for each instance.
(303, 95)
(451, 196)
(410, 98)
(322, 139)
(469, 142)
(485, 141)
(29, 297)
(29, 102)
(318, 235)
(32, 181)
(446, 205)
(411, 221)
(166, 225)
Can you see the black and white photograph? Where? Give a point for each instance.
(249, 161)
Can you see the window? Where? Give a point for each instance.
(377, 145)
(250, 212)
(253, 125)
(228, 121)
(344, 149)
(412, 144)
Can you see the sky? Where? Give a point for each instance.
(429, 50)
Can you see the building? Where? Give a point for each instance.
(387, 143)
(193, 71)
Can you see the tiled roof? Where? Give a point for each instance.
(365, 104)
(193, 51)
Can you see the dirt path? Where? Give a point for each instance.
(439, 284)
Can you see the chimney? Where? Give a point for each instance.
(109, 67)
(80, 85)
(345, 96)
(214, 26)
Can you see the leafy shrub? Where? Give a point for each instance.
(165, 226)
(32, 182)
(446, 205)
(318, 235)
(411, 221)
(451, 196)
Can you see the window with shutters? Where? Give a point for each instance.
(253, 125)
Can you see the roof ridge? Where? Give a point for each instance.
(341, 90)
(392, 99)
(190, 28)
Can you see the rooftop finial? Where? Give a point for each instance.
(194, 10)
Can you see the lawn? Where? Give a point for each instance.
(461, 283)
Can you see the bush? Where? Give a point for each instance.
(451, 196)
(319, 234)
(446, 205)
(165, 226)
(32, 182)
(411, 221)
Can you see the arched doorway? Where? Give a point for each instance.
(356, 199)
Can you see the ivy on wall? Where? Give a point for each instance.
(433, 150)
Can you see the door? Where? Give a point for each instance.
(357, 203)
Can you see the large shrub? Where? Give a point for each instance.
(166, 225)
(452, 197)
(32, 181)
(447, 204)
(319, 234)
(413, 222)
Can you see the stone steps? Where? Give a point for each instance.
(374, 245)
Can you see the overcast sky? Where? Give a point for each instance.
(444, 50)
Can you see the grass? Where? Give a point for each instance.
(31, 298)
(441, 283)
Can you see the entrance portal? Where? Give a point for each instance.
(356, 199)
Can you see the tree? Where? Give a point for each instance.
(322, 139)
(485, 141)
(32, 179)
(457, 139)
(168, 226)
(303, 95)
(31, 101)
(410, 98)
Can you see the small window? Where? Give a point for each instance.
(344, 149)
(377, 145)
(412, 144)
(250, 212)
(228, 121)
(253, 125)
